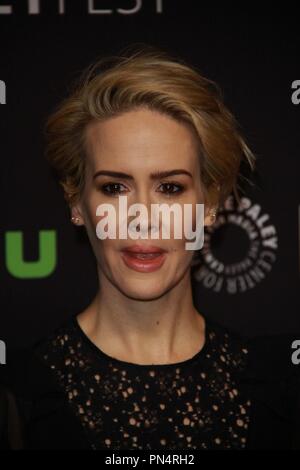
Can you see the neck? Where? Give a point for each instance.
(164, 330)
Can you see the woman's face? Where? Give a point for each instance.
(130, 151)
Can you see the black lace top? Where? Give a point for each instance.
(76, 396)
(193, 404)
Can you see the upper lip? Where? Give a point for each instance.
(144, 249)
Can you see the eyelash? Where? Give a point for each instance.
(103, 188)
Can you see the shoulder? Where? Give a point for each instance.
(268, 375)
(53, 350)
(30, 379)
(228, 347)
(26, 368)
(27, 375)
(267, 357)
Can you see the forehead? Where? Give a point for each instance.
(139, 139)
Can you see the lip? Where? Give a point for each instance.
(132, 257)
(144, 249)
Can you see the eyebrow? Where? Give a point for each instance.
(154, 176)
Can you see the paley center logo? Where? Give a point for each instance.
(239, 249)
(175, 221)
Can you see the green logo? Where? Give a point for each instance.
(21, 269)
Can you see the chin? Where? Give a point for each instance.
(143, 290)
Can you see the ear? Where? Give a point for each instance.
(211, 208)
(210, 214)
(77, 214)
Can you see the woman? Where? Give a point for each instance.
(141, 367)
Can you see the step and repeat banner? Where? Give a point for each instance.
(246, 276)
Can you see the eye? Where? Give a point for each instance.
(112, 188)
(170, 188)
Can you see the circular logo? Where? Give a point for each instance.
(239, 248)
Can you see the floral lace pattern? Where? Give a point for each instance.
(194, 404)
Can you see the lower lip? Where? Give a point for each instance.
(146, 265)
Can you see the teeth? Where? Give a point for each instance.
(145, 255)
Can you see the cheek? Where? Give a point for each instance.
(197, 218)
(91, 217)
(180, 260)
(178, 252)
(106, 254)
(190, 220)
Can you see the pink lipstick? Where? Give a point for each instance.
(143, 258)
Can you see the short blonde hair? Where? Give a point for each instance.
(147, 77)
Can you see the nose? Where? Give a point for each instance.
(141, 208)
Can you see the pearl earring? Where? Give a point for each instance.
(75, 219)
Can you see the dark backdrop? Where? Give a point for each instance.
(246, 276)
